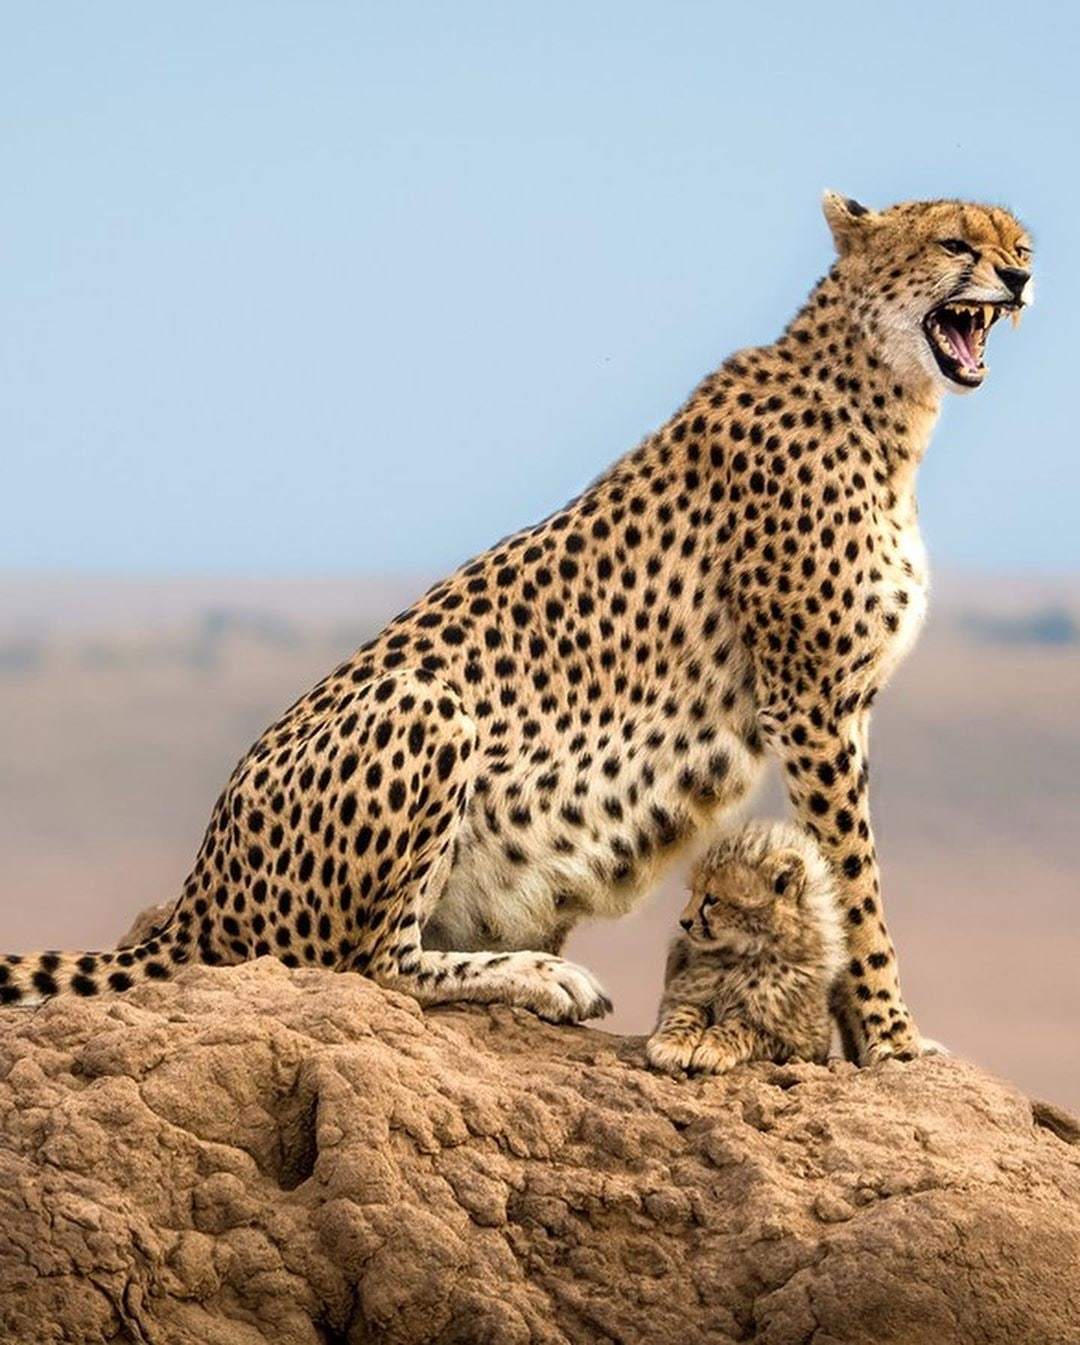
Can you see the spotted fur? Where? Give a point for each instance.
(752, 974)
(538, 736)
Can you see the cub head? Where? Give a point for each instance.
(740, 904)
(928, 279)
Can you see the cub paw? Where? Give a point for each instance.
(670, 1053)
(710, 1059)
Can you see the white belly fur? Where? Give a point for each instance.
(490, 903)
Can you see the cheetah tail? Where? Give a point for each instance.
(36, 977)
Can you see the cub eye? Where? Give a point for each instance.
(956, 247)
(1022, 253)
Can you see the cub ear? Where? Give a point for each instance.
(785, 872)
(849, 220)
(703, 867)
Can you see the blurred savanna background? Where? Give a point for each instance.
(305, 304)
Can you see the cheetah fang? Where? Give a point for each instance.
(543, 733)
(957, 333)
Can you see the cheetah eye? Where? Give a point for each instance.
(1023, 253)
(956, 247)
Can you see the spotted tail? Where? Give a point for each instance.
(36, 977)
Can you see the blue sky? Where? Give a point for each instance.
(309, 287)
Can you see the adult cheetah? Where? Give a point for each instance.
(535, 739)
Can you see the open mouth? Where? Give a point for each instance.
(956, 332)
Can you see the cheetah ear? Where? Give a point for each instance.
(785, 872)
(849, 220)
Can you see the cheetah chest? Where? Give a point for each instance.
(903, 593)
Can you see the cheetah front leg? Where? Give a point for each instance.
(827, 772)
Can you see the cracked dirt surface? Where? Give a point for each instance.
(255, 1155)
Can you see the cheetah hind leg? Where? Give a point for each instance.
(553, 988)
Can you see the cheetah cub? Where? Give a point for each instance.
(751, 976)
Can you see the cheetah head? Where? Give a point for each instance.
(928, 279)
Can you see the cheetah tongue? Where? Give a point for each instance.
(961, 345)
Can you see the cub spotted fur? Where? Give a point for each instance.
(751, 977)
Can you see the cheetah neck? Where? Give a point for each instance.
(893, 410)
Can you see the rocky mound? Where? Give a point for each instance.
(254, 1155)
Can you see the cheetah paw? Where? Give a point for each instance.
(911, 1048)
(563, 992)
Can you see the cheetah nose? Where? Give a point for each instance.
(686, 922)
(1014, 278)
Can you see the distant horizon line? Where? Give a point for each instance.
(420, 575)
